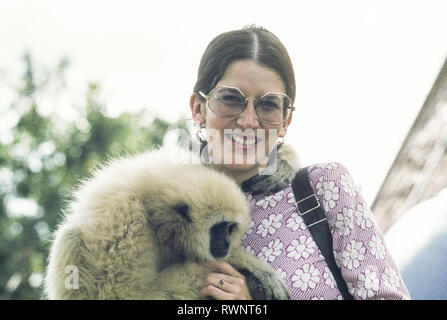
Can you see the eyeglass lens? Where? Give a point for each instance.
(229, 102)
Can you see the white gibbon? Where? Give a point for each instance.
(139, 228)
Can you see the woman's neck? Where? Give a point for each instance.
(237, 175)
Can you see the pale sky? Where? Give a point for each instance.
(363, 68)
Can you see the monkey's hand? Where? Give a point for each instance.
(262, 280)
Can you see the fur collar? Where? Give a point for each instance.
(279, 174)
(284, 164)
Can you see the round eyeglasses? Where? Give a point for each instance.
(229, 102)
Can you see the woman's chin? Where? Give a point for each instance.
(240, 166)
(239, 158)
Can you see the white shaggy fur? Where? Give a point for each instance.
(125, 237)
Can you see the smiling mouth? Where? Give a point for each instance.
(243, 141)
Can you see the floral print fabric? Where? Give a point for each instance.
(277, 235)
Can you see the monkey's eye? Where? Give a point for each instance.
(231, 227)
(183, 211)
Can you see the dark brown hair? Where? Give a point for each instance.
(251, 42)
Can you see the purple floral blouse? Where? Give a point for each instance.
(278, 236)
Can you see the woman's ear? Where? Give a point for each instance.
(197, 109)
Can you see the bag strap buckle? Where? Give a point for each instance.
(315, 206)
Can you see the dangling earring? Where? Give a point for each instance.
(203, 144)
(201, 133)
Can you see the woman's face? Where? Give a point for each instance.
(230, 140)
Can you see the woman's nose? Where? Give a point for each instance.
(249, 118)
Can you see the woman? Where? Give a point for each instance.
(243, 103)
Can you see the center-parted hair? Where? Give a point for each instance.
(253, 43)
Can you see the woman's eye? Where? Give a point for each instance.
(269, 104)
(232, 99)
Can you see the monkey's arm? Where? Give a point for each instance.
(178, 282)
(72, 270)
(87, 278)
(258, 273)
(101, 268)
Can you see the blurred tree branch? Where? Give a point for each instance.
(44, 156)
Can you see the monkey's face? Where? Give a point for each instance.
(199, 214)
(220, 238)
(191, 233)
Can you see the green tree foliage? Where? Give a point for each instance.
(41, 161)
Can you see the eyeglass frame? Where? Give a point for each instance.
(255, 103)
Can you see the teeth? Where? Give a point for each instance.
(240, 140)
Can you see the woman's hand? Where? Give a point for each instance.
(227, 285)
